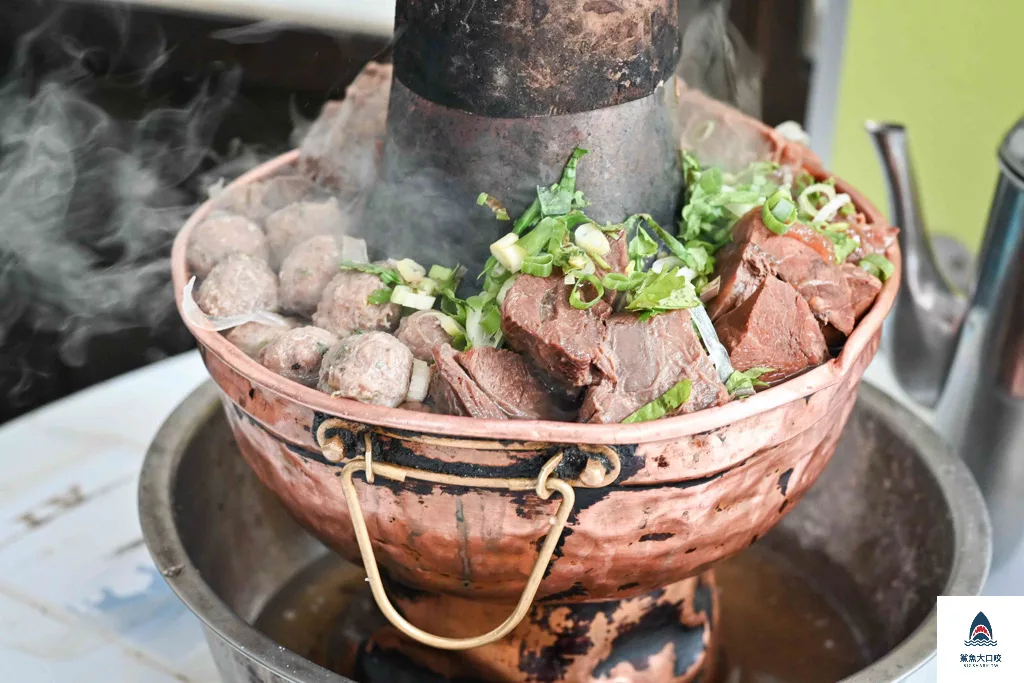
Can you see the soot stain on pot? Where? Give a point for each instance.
(662, 625)
(550, 663)
(784, 480)
(656, 537)
(577, 590)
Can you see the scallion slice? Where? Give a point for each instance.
(403, 296)
(592, 240)
(508, 253)
(379, 296)
(576, 299)
(878, 265)
(804, 200)
(779, 212)
(419, 381)
(539, 265)
(623, 283)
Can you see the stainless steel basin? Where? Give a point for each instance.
(894, 521)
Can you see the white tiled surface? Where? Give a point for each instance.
(79, 598)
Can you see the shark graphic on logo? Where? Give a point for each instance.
(981, 632)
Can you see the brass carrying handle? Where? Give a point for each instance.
(545, 484)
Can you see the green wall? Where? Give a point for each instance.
(953, 72)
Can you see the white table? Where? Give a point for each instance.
(79, 598)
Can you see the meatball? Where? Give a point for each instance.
(293, 225)
(239, 284)
(222, 235)
(260, 199)
(297, 354)
(373, 368)
(343, 308)
(252, 337)
(305, 273)
(421, 332)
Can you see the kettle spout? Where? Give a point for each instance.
(924, 325)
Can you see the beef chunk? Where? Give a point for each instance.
(742, 264)
(454, 392)
(560, 341)
(864, 287)
(742, 267)
(819, 282)
(774, 328)
(642, 360)
(508, 381)
(422, 332)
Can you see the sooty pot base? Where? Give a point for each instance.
(893, 522)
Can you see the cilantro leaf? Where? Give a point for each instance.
(665, 291)
(667, 403)
(554, 201)
(743, 383)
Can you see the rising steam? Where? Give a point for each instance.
(89, 204)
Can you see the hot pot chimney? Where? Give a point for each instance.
(492, 96)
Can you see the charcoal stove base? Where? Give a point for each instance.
(665, 636)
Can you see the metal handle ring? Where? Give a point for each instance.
(545, 487)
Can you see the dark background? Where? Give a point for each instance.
(290, 68)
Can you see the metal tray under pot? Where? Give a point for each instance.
(894, 521)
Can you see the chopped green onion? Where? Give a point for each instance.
(529, 217)
(804, 199)
(410, 271)
(842, 243)
(494, 205)
(591, 240)
(440, 274)
(539, 265)
(537, 239)
(878, 265)
(829, 211)
(779, 212)
(419, 381)
(642, 246)
(623, 283)
(500, 297)
(665, 404)
(508, 252)
(403, 296)
(449, 324)
(388, 276)
(554, 201)
(568, 181)
(379, 296)
(576, 299)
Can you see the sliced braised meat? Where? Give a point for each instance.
(560, 341)
(774, 328)
(821, 283)
(454, 392)
(742, 267)
(864, 287)
(508, 381)
(643, 360)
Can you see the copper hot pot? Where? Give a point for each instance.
(463, 508)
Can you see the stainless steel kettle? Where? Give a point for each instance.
(964, 356)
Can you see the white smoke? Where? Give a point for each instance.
(90, 203)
